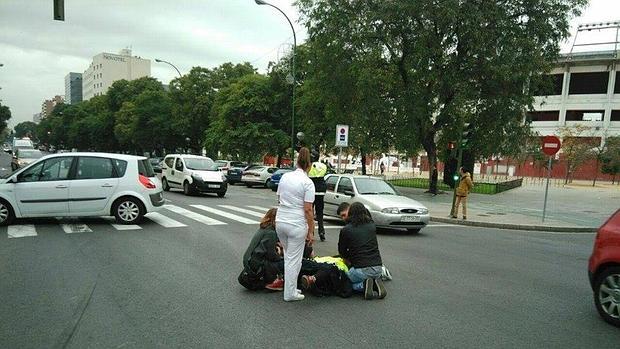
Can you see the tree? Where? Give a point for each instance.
(25, 129)
(243, 124)
(610, 158)
(449, 62)
(576, 148)
(5, 116)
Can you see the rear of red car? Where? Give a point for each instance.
(604, 270)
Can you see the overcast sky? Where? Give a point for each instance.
(37, 52)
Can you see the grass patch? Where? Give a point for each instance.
(423, 183)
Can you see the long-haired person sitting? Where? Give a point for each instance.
(358, 246)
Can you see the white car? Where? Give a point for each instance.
(387, 207)
(193, 174)
(82, 184)
(257, 175)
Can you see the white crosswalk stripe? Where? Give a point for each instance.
(122, 227)
(164, 221)
(193, 215)
(242, 210)
(20, 231)
(225, 214)
(73, 226)
(260, 208)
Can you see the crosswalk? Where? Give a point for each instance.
(171, 216)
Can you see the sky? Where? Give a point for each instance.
(37, 52)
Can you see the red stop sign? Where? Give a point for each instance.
(550, 145)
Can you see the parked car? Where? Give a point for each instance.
(82, 184)
(387, 207)
(604, 270)
(22, 143)
(193, 174)
(257, 175)
(24, 157)
(156, 164)
(232, 169)
(275, 178)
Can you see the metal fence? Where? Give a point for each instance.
(479, 187)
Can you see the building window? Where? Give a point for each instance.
(588, 83)
(551, 115)
(617, 88)
(584, 115)
(615, 115)
(548, 85)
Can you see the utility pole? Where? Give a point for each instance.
(463, 141)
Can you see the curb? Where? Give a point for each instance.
(560, 229)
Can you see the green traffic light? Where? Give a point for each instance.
(456, 177)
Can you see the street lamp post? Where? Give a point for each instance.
(261, 2)
(172, 65)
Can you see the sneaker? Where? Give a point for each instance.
(380, 288)
(307, 281)
(276, 285)
(368, 292)
(322, 236)
(296, 297)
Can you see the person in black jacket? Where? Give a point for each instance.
(262, 257)
(317, 175)
(358, 246)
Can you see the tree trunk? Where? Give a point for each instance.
(279, 160)
(431, 150)
(596, 172)
(363, 153)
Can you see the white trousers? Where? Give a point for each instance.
(293, 238)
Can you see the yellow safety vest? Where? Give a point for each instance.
(318, 169)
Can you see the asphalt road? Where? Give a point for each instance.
(171, 283)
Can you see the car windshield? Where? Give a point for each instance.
(370, 186)
(256, 168)
(30, 154)
(199, 164)
(154, 161)
(221, 163)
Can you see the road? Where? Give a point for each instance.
(171, 283)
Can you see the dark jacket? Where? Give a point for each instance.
(262, 249)
(358, 245)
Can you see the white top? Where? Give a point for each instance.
(294, 189)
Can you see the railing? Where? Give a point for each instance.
(479, 187)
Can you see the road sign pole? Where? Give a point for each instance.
(339, 156)
(546, 189)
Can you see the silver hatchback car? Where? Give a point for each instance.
(387, 208)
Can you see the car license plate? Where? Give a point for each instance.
(214, 185)
(410, 218)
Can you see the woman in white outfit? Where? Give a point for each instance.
(295, 221)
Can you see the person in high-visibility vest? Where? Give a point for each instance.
(317, 175)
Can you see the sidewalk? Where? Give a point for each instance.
(569, 209)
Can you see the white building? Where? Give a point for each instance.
(585, 89)
(106, 68)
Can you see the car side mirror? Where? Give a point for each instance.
(12, 180)
(349, 193)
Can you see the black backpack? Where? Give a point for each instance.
(251, 280)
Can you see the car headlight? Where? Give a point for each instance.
(422, 210)
(392, 210)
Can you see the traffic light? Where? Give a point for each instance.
(467, 127)
(449, 167)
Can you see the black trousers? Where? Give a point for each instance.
(319, 206)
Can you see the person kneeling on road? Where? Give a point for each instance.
(358, 246)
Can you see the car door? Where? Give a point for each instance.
(93, 185)
(331, 208)
(179, 172)
(43, 189)
(168, 167)
(344, 185)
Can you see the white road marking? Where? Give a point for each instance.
(225, 214)
(260, 208)
(20, 231)
(193, 215)
(445, 225)
(111, 220)
(74, 226)
(164, 221)
(242, 210)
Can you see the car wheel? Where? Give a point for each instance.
(413, 230)
(187, 189)
(607, 295)
(274, 189)
(267, 183)
(165, 185)
(6, 213)
(249, 185)
(128, 210)
(221, 194)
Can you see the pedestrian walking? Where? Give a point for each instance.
(462, 191)
(382, 167)
(317, 175)
(295, 221)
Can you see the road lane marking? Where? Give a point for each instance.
(242, 210)
(73, 226)
(260, 208)
(111, 220)
(20, 231)
(225, 214)
(193, 215)
(164, 221)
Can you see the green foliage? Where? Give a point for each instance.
(25, 129)
(610, 158)
(5, 115)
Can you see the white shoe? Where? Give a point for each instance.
(296, 297)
